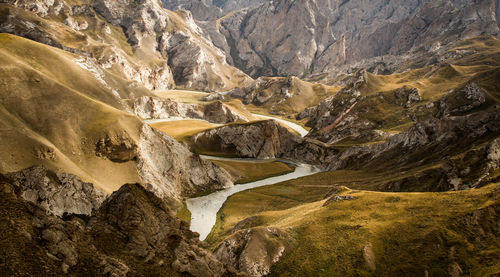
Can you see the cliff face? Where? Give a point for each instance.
(210, 9)
(302, 37)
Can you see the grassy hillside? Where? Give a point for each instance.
(375, 234)
(340, 223)
(183, 130)
(253, 171)
(473, 60)
(52, 111)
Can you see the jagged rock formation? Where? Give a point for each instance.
(317, 36)
(456, 125)
(172, 171)
(262, 140)
(133, 232)
(210, 9)
(200, 9)
(136, 220)
(57, 193)
(252, 251)
(160, 108)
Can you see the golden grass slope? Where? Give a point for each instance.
(376, 233)
(52, 112)
(253, 171)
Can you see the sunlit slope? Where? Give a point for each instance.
(474, 60)
(53, 112)
(373, 234)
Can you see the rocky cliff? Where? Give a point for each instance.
(438, 118)
(159, 108)
(303, 37)
(131, 232)
(210, 9)
(262, 140)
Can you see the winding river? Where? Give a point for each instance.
(204, 209)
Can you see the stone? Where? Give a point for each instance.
(262, 140)
(59, 193)
(252, 251)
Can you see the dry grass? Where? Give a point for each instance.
(183, 130)
(329, 241)
(253, 171)
(36, 79)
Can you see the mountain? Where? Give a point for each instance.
(106, 108)
(281, 38)
(91, 134)
(141, 43)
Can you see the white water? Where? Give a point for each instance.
(204, 209)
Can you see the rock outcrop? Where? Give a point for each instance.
(262, 140)
(171, 171)
(132, 232)
(148, 107)
(58, 193)
(193, 59)
(144, 225)
(210, 9)
(253, 251)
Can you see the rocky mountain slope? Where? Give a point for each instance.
(402, 99)
(437, 115)
(210, 9)
(90, 135)
(303, 37)
(282, 95)
(131, 233)
(140, 43)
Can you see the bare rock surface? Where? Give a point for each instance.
(144, 224)
(170, 170)
(58, 193)
(318, 36)
(148, 107)
(252, 251)
(132, 232)
(262, 140)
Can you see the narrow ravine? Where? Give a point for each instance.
(204, 209)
